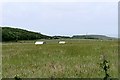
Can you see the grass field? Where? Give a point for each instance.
(76, 58)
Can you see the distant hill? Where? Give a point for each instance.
(92, 37)
(61, 37)
(14, 34)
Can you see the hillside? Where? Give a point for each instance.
(14, 34)
(92, 37)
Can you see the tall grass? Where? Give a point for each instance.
(0, 60)
(76, 58)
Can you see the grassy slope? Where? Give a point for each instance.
(78, 58)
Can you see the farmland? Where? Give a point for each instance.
(76, 58)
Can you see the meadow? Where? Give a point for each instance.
(75, 59)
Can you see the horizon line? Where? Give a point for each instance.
(69, 35)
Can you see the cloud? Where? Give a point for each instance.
(63, 18)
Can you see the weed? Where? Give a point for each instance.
(105, 66)
(17, 78)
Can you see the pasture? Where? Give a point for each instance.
(76, 58)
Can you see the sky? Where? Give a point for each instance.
(63, 18)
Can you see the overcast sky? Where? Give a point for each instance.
(63, 18)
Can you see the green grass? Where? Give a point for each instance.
(0, 60)
(76, 58)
